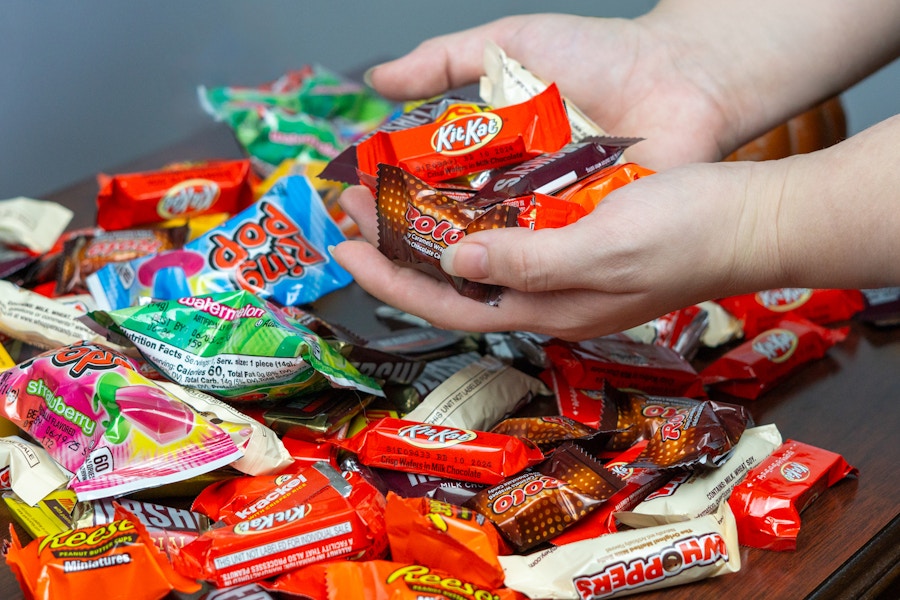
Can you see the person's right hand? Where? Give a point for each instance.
(627, 75)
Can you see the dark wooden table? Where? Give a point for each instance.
(848, 402)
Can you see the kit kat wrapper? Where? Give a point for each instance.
(464, 454)
(472, 142)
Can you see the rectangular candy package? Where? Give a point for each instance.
(275, 248)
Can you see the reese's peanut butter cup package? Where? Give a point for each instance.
(233, 345)
(763, 310)
(768, 502)
(443, 536)
(96, 561)
(386, 579)
(760, 363)
(114, 429)
(134, 199)
(276, 248)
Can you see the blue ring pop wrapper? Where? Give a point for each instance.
(275, 248)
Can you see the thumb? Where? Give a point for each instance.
(524, 259)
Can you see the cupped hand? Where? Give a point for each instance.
(631, 77)
(648, 248)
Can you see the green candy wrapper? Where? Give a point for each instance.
(233, 345)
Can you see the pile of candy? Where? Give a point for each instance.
(179, 415)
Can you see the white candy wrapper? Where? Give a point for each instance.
(478, 396)
(507, 82)
(629, 562)
(31, 471)
(264, 452)
(41, 321)
(702, 491)
(35, 224)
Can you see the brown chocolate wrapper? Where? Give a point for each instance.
(552, 171)
(315, 417)
(416, 223)
(547, 432)
(541, 502)
(90, 251)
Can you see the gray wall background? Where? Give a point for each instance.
(88, 85)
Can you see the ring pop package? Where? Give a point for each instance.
(276, 248)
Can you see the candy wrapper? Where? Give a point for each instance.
(28, 470)
(41, 321)
(763, 310)
(96, 562)
(700, 491)
(443, 537)
(385, 579)
(276, 248)
(541, 502)
(167, 526)
(34, 224)
(307, 113)
(472, 142)
(649, 368)
(478, 396)
(703, 435)
(327, 518)
(476, 456)
(87, 252)
(759, 364)
(264, 452)
(416, 223)
(103, 421)
(629, 562)
(507, 82)
(768, 503)
(233, 345)
(134, 199)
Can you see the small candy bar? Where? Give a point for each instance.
(133, 199)
(468, 455)
(763, 310)
(629, 562)
(472, 142)
(416, 223)
(541, 502)
(768, 503)
(758, 364)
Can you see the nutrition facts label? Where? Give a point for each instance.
(222, 371)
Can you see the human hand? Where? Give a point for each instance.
(622, 73)
(648, 248)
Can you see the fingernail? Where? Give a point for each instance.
(367, 76)
(465, 260)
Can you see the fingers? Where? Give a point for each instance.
(527, 260)
(438, 64)
(359, 204)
